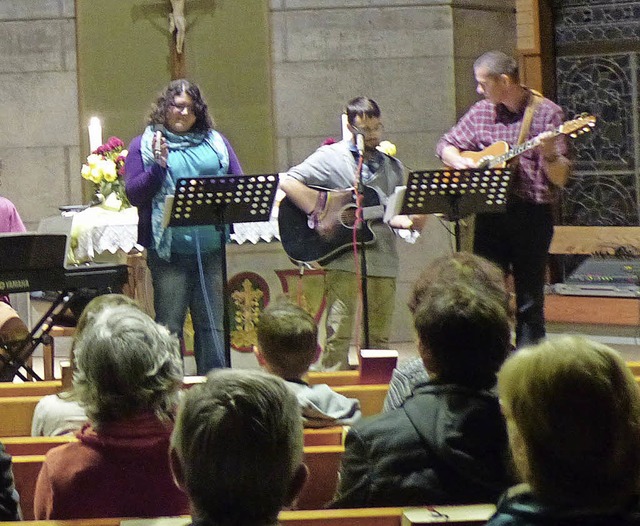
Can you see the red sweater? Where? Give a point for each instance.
(122, 470)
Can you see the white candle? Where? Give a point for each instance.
(346, 134)
(95, 134)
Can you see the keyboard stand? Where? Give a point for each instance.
(17, 353)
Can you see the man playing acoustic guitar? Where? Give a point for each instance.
(335, 167)
(519, 239)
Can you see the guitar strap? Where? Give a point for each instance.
(534, 100)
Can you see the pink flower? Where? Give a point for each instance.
(328, 141)
(114, 143)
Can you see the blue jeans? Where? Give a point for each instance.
(177, 286)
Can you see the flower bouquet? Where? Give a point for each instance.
(105, 168)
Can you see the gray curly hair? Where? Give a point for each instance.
(126, 364)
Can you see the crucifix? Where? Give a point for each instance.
(178, 30)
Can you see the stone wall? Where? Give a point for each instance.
(39, 109)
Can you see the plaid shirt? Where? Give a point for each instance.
(486, 123)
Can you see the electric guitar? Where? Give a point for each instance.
(333, 234)
(497, 155)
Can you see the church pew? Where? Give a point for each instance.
(17, 413)
(27, 445)
(46, 387)
(371, 396)
(462, 515)
(25, 473)
(17, 410)
(326, 436)
(635, 368)
(323, 463)
(333, 378)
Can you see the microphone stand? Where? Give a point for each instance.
(360, 240)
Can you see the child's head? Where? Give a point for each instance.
(287, 339)
(237, 447)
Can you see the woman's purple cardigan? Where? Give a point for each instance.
(141, 186)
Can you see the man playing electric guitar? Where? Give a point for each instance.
(519, 239)
(334, 167)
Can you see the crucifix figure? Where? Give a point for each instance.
(177, 23)
(177, 28)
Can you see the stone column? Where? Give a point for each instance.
(39, 109)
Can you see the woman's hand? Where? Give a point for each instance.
(160, 149)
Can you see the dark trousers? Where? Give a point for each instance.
(518, 241)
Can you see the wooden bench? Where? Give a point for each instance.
(323, 463)
(44, 388)
(326, 436)
(462, 515)
(17, 413)
(334, 378)
(635, 368)
(371, 396)
(27, 445)
(25, 474)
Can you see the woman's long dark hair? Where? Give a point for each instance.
(158, 115)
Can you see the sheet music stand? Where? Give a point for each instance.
(220, 201)
(456, 193)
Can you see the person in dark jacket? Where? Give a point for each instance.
(447, 444)
(573, 416)
(9, 507)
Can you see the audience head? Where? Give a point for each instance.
(462, 267)
(95, 306)
(573, 415)
(464, 335)
(287, 339)
(237, 447)
(126, 364)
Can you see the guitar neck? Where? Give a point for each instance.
(519, 149)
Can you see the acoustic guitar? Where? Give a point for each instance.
(498, 154)
(333, 235)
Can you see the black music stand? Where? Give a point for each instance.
(456, 193)
(220, 201)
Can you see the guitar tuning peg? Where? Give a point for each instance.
(573, 135)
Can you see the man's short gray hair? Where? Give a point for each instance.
(126, 364)
(498, 63)
(239, 440)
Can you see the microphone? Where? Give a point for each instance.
(359, 141)
(157, 141)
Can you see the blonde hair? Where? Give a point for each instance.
(573, 414)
